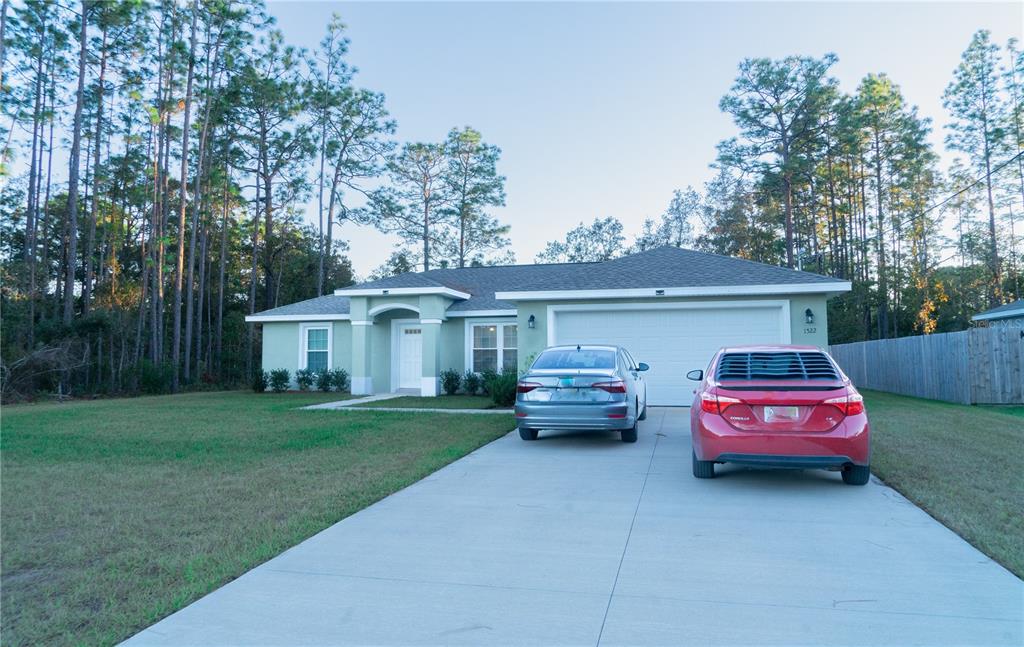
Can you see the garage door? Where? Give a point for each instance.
(672, 340)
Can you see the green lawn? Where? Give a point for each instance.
(116, 513)
(440, 402)
(962, 464)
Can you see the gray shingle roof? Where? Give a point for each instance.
(1012, 309)
(664, 267)
(325, 305)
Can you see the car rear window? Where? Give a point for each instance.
(575, 359)
(782, 365)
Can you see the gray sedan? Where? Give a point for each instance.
(582, 387)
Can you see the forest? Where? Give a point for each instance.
(158, 159)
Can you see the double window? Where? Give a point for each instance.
(317, 348)
(493, 346)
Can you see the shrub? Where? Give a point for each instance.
(280, 378)
(339, 377)
(471, 383)
(155, 378)
(260, 381)
(450, 381)
(502, 386)
(325, 380)
(304, 378)
(486, 377)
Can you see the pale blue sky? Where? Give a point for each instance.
(602, 109)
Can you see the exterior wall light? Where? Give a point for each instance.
(808, 316)
(531, 322)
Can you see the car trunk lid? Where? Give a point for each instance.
(580, 386)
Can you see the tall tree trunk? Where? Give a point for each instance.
(182, 195)
(73, 168)
(221, 272)
(90, 239)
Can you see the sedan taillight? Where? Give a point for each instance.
(711, 403)
(616, 386)
(850, 404)
(526, 387)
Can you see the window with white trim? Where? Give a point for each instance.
(317, 349)
(494, 346)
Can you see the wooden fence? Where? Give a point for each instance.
(977, 366)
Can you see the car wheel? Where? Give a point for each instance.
(527, 434)
(857, 475)
(702, 469)
(629, 435)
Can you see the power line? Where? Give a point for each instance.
(975, 183)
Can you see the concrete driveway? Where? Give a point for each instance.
(582, 540)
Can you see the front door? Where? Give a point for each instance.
(410, 357)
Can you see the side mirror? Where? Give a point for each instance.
(642, 367)
(695, 375)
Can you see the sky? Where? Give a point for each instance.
(603, 109)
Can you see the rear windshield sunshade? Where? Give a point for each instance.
(783, 365)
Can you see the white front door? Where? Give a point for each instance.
(410, 357)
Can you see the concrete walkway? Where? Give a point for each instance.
(579, 539)
(344, 404)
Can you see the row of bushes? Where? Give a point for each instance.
(500, 386)
(279, 379)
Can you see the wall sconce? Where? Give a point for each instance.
(531, 322)
(808, 316)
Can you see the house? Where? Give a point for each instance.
(672, 308)
(1008, 315)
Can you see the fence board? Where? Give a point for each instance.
(978, 366)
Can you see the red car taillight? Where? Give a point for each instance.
(711, 403)
(526, 387)
(618, 386)
(850, 404)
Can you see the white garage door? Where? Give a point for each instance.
(673, 341)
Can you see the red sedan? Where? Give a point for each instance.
(779, 406)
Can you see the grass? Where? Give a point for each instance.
(960, 463)
(440, 402)
(116, 513)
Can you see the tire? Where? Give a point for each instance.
(857, 475)
(643, 414)
(629, 435)
(702, 469)
(527, 434)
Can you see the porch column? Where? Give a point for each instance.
(431, 332)
(362, 375)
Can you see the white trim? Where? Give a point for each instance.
(362, 385)
(373, 312)
(396, 292)
(703, 291)
(362, 323)
(304, 342)
(431, 321)
(482, 313)
(1005, 314)
(396, 327)
(468, 338)
(785, 327)
(428, 386)
(272, 318)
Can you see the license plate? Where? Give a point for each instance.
(781, 413)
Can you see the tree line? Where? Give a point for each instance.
(156, 159)
(848, 185)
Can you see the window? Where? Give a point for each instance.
(317, 349)
(575, 359)
(493, 347)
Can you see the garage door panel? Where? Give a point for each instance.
(672, 341)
